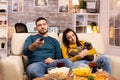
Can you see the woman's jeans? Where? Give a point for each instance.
(38, 69)
(103, 60)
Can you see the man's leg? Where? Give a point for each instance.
(104, 61)
(37, 69)
(68, 63)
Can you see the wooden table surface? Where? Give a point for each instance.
(46, 78)
(71, 78)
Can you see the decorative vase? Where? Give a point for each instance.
(2, 45)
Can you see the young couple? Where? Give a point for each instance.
(46, 53)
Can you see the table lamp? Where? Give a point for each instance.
(75, 3)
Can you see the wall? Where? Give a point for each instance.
(31, 13)
(104, 28)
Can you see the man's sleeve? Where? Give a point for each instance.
(28, 42)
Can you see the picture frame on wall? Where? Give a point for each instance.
(63, 6)
(17, 5)
(54, 29)
(40, 3)
(93, 6)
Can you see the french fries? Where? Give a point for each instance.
(82, 71)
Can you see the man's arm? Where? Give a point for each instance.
(49, 60)
(30, 46)
(36, 44)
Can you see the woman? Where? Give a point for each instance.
(78, 52)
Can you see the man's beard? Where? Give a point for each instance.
(42, 33)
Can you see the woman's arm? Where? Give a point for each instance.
(92, 51)
(65, 54)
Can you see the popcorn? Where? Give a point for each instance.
(58, 73)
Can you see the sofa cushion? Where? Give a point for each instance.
(12, 68)
(17, 43)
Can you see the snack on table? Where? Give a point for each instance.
(80, 78)
(58, 73)
(82, 71)
(100, 77)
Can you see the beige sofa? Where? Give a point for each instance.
(13, 67)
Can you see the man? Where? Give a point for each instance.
(42, 54)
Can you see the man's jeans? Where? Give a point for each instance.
(103, 60)
(38, 69)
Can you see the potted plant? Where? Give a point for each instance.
(2, 44)
(82, 5)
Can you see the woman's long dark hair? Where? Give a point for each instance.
(65, 41)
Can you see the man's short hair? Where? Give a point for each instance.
(40, 18)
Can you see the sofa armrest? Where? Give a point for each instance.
(12, 68)
(115, 62)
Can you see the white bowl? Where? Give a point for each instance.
(58, 73)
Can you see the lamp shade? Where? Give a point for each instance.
(75, 2)
(118, 3)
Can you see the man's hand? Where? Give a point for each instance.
(49, 60)
(39, 42)
(36, 44)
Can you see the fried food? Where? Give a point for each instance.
(82, 71)
(80, 78)
(100, 77)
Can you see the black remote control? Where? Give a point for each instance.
(41, 39)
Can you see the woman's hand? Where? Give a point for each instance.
(83, 53)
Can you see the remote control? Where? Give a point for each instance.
(41, 39)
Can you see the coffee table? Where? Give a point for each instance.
(71, 78)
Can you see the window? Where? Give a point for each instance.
(114, 22)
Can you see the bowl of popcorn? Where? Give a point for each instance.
(58, 73)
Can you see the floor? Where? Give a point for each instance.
(0, 76)
(0, 73)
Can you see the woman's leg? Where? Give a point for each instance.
(37, 69)
(104, 61)
(80, 63)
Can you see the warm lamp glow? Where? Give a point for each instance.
(118, 3)
(95, 29)
(89, 29)
(92, 29)
(75, 2)
(111, 35)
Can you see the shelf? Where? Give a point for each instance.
(2, 49)
(3, 2)
(3, 27)
(3, 13)
(83, 21)
(2, 37)
(80, 25)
